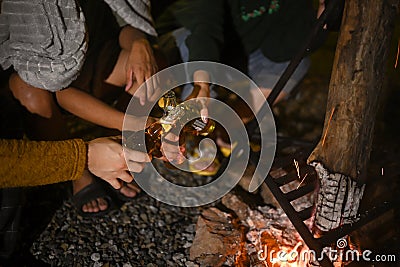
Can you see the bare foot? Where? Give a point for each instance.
(130, 190)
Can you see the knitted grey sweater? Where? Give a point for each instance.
(45, 40)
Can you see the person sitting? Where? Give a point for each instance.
(72, 58)
(256, 37)
(34, 163)
(26, 163)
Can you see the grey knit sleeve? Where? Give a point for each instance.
(134, 12)
(45, 41)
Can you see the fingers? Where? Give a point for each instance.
(135, 156)
(116, 179)
(144, 78)
(171, 149)
(204, 95)
(141, 65)
(129, 80)
(150, 82)
(115, 183)
(172, 154)
(204, 114)
(151, 87)
(125, 176)
(135, 167)
(140, 78)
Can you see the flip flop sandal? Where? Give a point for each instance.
(121, 196)
(97, 189)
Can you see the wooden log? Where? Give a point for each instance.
(338, 200)
(355, 90)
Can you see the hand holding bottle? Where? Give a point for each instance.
(172, 149)
(107, 160)
(201, 89)
(161, 138)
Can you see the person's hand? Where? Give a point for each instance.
(171, 150)
(201, 89)
(106, 159)
(140, 66)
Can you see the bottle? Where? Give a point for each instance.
(167, 102)
(174, 115)
(198, 127)
(152, 134)
(183, 114)
(151, 144)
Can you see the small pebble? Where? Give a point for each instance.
(144, 232)
(95, 256)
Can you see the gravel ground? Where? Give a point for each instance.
(143, 232)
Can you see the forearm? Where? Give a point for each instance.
(31, 163)
(129, 35)
(90, 108)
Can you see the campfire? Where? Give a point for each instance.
(263, 236)
(241, 234)
(237, 235)
(256, 237)
(272, 240)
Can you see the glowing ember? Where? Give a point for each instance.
(252, 237)
(272, 239)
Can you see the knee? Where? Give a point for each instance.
(35, 100)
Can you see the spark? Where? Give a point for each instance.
(302, 181)
(397, 56)
(327, 127)
(296, 164)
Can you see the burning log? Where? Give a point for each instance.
(247, 237)
(341, 156)
(218, 238)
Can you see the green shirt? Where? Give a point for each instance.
(217, 26)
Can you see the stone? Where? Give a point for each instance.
(209, 246)
(95, 256)
(232, 202)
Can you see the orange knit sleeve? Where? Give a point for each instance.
(32, 163)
